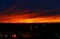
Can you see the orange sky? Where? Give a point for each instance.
(28, 18)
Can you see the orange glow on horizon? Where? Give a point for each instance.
(29, 18)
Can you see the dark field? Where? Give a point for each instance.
(30, 31)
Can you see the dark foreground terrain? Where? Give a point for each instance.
(30, 31)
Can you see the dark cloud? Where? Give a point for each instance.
(42, 7)
(50, 12)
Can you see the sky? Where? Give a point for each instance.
(33, 5)
(16, 9)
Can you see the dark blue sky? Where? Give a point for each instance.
(34, 5)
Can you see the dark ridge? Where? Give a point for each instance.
(32, 23)
(45, 30)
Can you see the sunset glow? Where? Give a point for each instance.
(28, 18)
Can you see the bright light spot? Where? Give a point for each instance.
(36, 26)
(6, 35)
(0, 35)
(14, 35)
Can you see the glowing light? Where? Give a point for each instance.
(0, 35)
(14, 35)
(25, 35)
(36, 26)
(6, 35)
